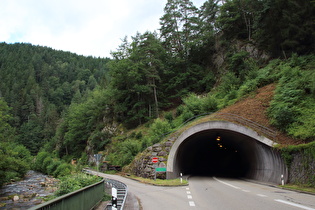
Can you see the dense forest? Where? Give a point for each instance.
(60, 105)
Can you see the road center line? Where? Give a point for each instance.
(294, 204)
(261, 195)
(226, 183)
(189, 196)
(191, 203)
(188, 192)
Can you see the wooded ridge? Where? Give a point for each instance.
(61, 106)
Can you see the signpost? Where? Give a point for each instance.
(97, 160)
(155, 160)
(160, 169)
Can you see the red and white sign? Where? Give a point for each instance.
(155, 160)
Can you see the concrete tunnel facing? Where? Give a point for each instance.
(221, 148)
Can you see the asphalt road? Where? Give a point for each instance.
(213, 193)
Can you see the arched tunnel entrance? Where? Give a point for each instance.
(226, 149)
(216, 153)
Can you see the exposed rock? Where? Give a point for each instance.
(162, 153)
(15, 198)
(168, 144)
(157, 149)
(162, 165)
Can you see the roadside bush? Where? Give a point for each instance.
(75, 182)
(158, 128)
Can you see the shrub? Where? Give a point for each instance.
(194, 103)
(47, 161)
(63, 169)
(282, 115)
(248, 87)
(180, 110)
(209, 104)
(39, 159)
(13, 163)
(158, 128)
(51, 168)
(187, 115)
(169, 116)
(75, 182)
(228, 83)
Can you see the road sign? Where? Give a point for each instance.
(155, 160)
(160, 169)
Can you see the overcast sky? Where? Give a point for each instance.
(85, 27)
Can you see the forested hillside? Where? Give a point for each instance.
(200, 60)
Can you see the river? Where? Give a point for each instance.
(28, 192)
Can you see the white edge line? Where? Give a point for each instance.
(294, 204)
(226, 183)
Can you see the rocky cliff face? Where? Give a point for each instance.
(302, 169)
(144, 167)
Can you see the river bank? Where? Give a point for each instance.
(30, 191)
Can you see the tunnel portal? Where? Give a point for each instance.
(216, 153)
(226, 149)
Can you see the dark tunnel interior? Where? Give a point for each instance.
(216, 153)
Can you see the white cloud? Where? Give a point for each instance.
(93, 27)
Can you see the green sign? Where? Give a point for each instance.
(160, 169)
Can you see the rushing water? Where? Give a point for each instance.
(30, 190)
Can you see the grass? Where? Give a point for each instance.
(160, 182)
(299, 188)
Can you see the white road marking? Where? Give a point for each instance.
(294, 204)
(226, 183)
(188, 192)
(261, 195)
(245, 190)
(189, 196)
(191, 203)
(187, 188)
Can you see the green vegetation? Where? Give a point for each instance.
(160, 182)
(14, 159)
(58, 106)
(75, 182)
(302, 157)
(299, 188)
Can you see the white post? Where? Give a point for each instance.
(181, 177)
(282, 180)
(114, 198)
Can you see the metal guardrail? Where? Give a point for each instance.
(122, 192)
(82, 199)
(122, 189)
(251, 124)
(228, 116)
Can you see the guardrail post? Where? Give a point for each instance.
(114, 198)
